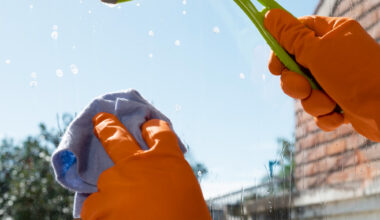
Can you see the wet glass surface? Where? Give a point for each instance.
(255, 152)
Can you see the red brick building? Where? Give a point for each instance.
(341, 156)
(338, 169)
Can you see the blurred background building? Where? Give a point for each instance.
(335, 174)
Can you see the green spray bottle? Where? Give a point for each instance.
(257, 19)
(115, 1)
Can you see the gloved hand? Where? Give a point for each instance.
(154, 184)
(345, 61)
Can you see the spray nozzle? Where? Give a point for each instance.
(115, 1)
(258, 20)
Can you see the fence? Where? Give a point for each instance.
(271, 200)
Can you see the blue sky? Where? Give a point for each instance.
(201, 62)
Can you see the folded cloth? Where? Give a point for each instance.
(80, 158)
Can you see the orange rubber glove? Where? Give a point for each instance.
(154, 184)
(342, 57)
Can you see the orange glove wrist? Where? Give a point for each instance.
(343, 59)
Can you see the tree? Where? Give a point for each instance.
(282, 179)
(287, 163)
(27, 186)
(28, 189)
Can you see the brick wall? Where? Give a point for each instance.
(341, 158)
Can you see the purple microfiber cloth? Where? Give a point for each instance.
(80, 158)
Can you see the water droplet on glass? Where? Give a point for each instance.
(33, 75)
(47, 158)
(59, 73)
(55, 27)
(89, 12)
(216, 30)
(242, 76)
(178, 107)
(10, 203)
(138, 4)
(263, 77)
(31, 6)
(8, 61)
(184, 2)
(54, 35)
(42, 154)
(74, 47)
(33, 83)
(199, 173)
(184, 12)
(151, 33)
(44, 180)
(150, 55)
(177, 43)
(74, 69)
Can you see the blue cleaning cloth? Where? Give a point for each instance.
(80, 158)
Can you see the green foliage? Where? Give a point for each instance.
(28, 189)
(283, 179)
(286, 152)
